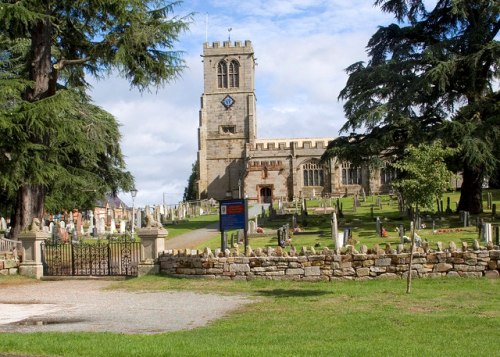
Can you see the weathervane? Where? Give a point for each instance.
(229, 33)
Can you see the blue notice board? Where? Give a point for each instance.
(233, 214)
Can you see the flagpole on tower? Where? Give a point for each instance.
(206, 27)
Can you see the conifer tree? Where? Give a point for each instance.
(432, 75)
(47, 49)
(191, 190)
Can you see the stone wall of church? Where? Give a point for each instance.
(277, 164)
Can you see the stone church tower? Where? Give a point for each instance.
(227, 118)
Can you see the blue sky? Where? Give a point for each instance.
(302, 48)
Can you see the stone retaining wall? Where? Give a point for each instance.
(329, 265)
(9, 265)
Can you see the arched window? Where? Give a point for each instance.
(313, 173)
(228, 76)
(234, 74)
(222, 74)
(351, 175)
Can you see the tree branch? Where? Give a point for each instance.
(63, 62)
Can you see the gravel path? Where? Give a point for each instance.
(84, 305)
(194, 238)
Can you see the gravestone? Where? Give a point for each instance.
(91, 222)
(252, 227)
(3, 224)
(240, 236)
(347, 235)
(487, 233)
(335, 228)
(123, 224)
(101, 226)
(79, 223)
(489, 199)
(112, 226)
(401, 233)
(378, 225)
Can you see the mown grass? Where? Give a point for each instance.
(446, 317)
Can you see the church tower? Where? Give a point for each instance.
(227, 119)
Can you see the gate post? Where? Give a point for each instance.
(152, 244)
(32, 265)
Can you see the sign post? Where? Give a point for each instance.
(233, 214)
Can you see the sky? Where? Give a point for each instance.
(302, 48)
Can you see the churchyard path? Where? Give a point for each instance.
(194, 238)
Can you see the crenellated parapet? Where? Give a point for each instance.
(271, 165)
(226, 44)
(289, 144)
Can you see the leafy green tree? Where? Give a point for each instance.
(423, 178)
(55, 137)
(191, 190)
(430, 76)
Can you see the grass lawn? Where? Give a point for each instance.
(445, 317)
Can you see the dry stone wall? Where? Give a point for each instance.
(329, 265)
(9, 265)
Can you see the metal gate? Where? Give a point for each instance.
(91, 259)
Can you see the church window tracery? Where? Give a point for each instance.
(351, 175)
(228, 74)
(387, 175)
(313, 173)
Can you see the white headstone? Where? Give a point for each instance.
(122, 226)
(335, 228)
(3, 224)
(339, 243)
(252, 227)
(101, 226)
(487, 232)
(112, 226)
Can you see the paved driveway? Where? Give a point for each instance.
(85, 305)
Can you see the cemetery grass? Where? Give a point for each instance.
(316, 228)
(442, 317)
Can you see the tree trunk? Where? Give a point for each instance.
(31, 197)
(471, 190)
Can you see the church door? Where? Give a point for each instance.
(266, 195)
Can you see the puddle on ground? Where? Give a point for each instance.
(42, 322)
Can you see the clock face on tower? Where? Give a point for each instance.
(228, 101)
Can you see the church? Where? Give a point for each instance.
(234, 163)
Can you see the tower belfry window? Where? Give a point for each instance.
(222, 74)
(234, 74)
(228, 75)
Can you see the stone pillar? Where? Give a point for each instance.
(31, 265)
(152, 244)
